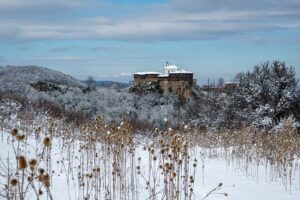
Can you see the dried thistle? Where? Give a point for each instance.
(32, 163)
(14, 182)
(29, 179)
(14, 132)
(22, 162)
(46, 180)
(47, 141)
(38, 130)
(41, 171)
(20, 137)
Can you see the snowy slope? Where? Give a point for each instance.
(18, 77)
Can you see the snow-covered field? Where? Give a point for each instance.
(126, 175)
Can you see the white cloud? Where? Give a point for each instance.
(23, 5)
(207, 22)
(213, 5)
(163, 27)
(122, 74)
(44, 60)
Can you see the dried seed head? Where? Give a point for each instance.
(14, 132)
(29, 179)
(47, 141)
(40, 178)
(41, 171)
(22, 162)
(46, 177)
(38, 130)
(20, 137)
(13, 182)
(152, 151)
(46, 180)
(32, 163)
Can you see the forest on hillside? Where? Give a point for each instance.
(266, 97)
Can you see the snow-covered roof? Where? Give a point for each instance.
(144, 73)
(171, 67)
(163, 75)
(181, 71)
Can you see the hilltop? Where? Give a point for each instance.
(111, 84)
(17, 78)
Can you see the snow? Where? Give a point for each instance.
(163, 75)
(17, 78)
(145, 73)
(169, 67)
(241, 185)
(173, 69)
(181, 71)
(239, 182)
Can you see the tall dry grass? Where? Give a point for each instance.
(112, 161)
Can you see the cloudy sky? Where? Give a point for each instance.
(111, 39)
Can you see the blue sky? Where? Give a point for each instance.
(110, 40)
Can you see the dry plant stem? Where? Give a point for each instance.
(212, 192)
(167, 168)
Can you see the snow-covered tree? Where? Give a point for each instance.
(268, 91)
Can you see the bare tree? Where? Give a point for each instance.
(91, 83)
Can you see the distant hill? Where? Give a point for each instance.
(17, 78)
(111, 84)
